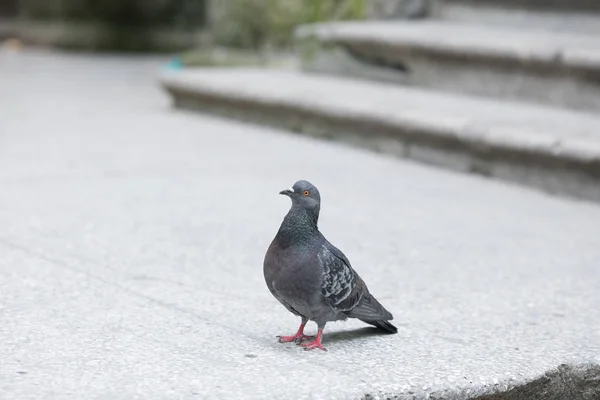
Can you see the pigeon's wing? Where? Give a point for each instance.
(345, 291)
(341, 287)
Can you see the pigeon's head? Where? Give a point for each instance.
(304, 194)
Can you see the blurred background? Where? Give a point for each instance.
(520, 77)
(512, 69)
(167, 25)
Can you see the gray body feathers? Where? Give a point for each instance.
(314, 279)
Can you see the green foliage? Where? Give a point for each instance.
(259, 24)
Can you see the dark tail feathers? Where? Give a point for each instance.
(369, 310)
(385, 325)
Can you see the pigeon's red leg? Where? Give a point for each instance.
(316, 344)
(298, 337)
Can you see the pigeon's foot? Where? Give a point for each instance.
(295, 338)
(316, 344)
(313, 345)
(298, 337)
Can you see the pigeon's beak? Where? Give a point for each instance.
(287, 192)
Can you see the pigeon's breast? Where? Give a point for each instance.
(292, 273)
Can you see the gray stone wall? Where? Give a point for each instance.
(130, 25)
(150, 13)
(8, 8)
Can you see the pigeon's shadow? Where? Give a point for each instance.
(341, 336)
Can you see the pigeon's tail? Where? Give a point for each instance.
(382, 324)
(369, 310)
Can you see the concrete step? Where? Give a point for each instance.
(563, 15)
(536, 5)
(553, 68)
(551, 149)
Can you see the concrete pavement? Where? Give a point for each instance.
(132, 238)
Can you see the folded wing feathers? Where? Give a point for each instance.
(339, 281)
(344, 290)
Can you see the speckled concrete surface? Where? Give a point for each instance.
(132, 239)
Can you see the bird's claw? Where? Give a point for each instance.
(296, 338)
(313, 345)
(299, 340)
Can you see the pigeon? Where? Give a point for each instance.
(311, 277)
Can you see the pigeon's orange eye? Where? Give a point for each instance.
(306, 193)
